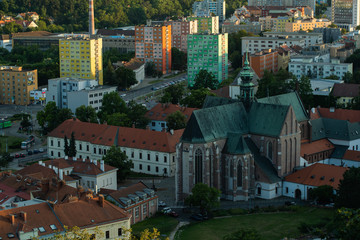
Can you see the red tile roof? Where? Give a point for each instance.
(222, 92)
(134, 64)
(318, 174)
(345, 90)
(10, 192)
(316, 147)
(340, 114)
(352, 155)
(107, 135)
(38, 172)
(161, 111)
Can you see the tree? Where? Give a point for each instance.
(109, 74)
(25, 123)
(112, 103)
(347, 224)
(117, 158)
(303, 86)
(137, 15)
(136, 114)
(243, 234)
(52, 116)
(173, 94)
(204, 196)
(86, 114)
(125, 78)
(196, 98)
(179, 59)
(348, 194)
(348, 77)
(150, 69)
(205, 79)
(66, 146)
(175, 121)
(119, 119)
(72, 146)
(235, 59)
(5, 160)
(322, 194)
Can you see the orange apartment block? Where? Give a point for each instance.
(153, 44)
(16, 84)
(264, 60)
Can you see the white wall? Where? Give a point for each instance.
(289, 189)
(268, 191)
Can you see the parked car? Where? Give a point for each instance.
(123, 95)
(41, 150)
(36, 151)
(173, 214)
(166, 210)
(30, 152)
(162, 204)
(22, 155)
(197, 217)
(17, 155)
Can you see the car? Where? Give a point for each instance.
(29, 152)
(123, 95)
(17, 155)
(41, 150)
(173, 214)
(162, 204)
(197, 217)
(36, 151)
(22, 155)
(166, 210)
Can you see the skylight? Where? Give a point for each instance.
(53, 227)
(41, 229)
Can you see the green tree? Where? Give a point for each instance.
(175, 121)
(12, 27)
(348, 77)
(196, 98)
(179, 59)
(117, 158)
(235, 59)
(243, 234)
(125, 78)
(205, 79)
(322, 194)
(137, 15)
(150, 69)
(347, 224)
(332, 77)
(66, 146)
(109, 74)
(51, 117)
(25, 123)
(72, 146)
(204, 196)
(5, 160)
(119, 119)
(136, 114)
(86, 114)
(173, 94)
(348, 194)
(303, 86)
(112, 103)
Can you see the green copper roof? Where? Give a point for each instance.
(292, 99)
(213, 101)
(334, 129)
(339, 151)
(236, 144)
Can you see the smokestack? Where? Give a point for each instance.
(91, 18)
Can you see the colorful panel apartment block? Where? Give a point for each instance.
(264, 60)
(81, 57)
(208, 52)
(153, 44)
(179, 32)
(16, 84)
(207, 24)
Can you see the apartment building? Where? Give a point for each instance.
(310, 38)
(276, 24)
(207, 8)
(179, 31)
(254, 44)
(345, 13)
(208, 52)
(151, 152)
(119, 40)
(16, 84)
(153, 44)
(206, 24)
(81, 57)
(293, 3)
(251, 27)
(306, 24)
(329, 34)
(264, 60)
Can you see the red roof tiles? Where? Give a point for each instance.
(316, 147)
(352, 155)
(345, 90)
(318, 174)
(161, 111)
(340, 114)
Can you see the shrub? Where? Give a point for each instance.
(16, 144)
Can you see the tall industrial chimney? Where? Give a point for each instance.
(91, 18)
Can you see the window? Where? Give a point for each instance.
(80, 146)
(52, 153)
(137, 212)
(94, 150)
(145, 209)
(165, 159)
(53, 227)
(153, 124)
(87, 148)
(148, 156)
(287, 190)
(107, 234)
(58, 154)
(58, 143)
(140, 166)
(157, 158)
(41, 229)
(140, 155)
(52, 143)
(198, 166)
(119, 231)
(132, 154)
(149, 168)
(239, 175)
(157, 169)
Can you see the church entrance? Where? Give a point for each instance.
(297, 194)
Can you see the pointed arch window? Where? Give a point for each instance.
(198, 166)
(270, 150)
(239, 175)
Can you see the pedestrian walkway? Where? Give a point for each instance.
(180, 224)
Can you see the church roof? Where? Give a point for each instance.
(292, 99)
(335, 129)
(213, 101)
(236, 144)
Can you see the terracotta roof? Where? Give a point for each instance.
(352, 155)
(314, 114)
(134, 64)
(318, 174)
(37, 172)
(316, 147)
(161, 111)
(222, 92)
(340, 114)
(107, 135)
(54, 192)
(115, 32)
(345, 90)
(12, 192)
(4, 36)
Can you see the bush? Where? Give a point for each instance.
(19, 116)
(220, 213)
(237, 211)
(15, 145)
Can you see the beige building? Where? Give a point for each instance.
(306, 24)
(16, 84)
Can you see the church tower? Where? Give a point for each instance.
(246, 86)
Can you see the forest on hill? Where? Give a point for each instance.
(72, 15)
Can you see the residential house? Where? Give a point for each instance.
(32, 15)
(316, 151)
(5, 42)
(138, 200)
(151, 152)
(160, 112)
(345, 93)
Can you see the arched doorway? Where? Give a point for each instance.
(297, 194)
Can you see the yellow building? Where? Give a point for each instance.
(81, 57)
(306, 24)
(16, 84)
(279, 23)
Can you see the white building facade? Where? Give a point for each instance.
(310, 38)
(255, 44)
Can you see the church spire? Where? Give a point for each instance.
(246, 86)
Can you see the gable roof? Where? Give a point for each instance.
(38, 172)
(317, 175)
(133, 64)
(107, 135)
(160, 111)
(292, 99)
(345, 90)
(340, 114)
(235, 144)
(334, 129)
(213, 101)
(352, 155)
(315, 147)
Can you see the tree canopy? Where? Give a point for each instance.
(86, 114)
(175, 121)
(204, 196)
(196, 98)
(205, 79)
(348, 194)
(52, 116)
(117, 158)
(173, 94)
(179, 59)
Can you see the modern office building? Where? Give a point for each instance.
(264, 60)
(179, 31)
(81, 57)
(153, 44)
(310, 38)
(346, 13)
(208, 8)
(206, 24)
(16, 84)
(208, 52)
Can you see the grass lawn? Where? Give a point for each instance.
(155, 81)
(271, 226)
(10, 141)
(165, 224)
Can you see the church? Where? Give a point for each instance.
(242, 147)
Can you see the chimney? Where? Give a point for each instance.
(12, 219)
(147, 127)
(24, 215)
(102, 165)
(91, 18)
(101, 200)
